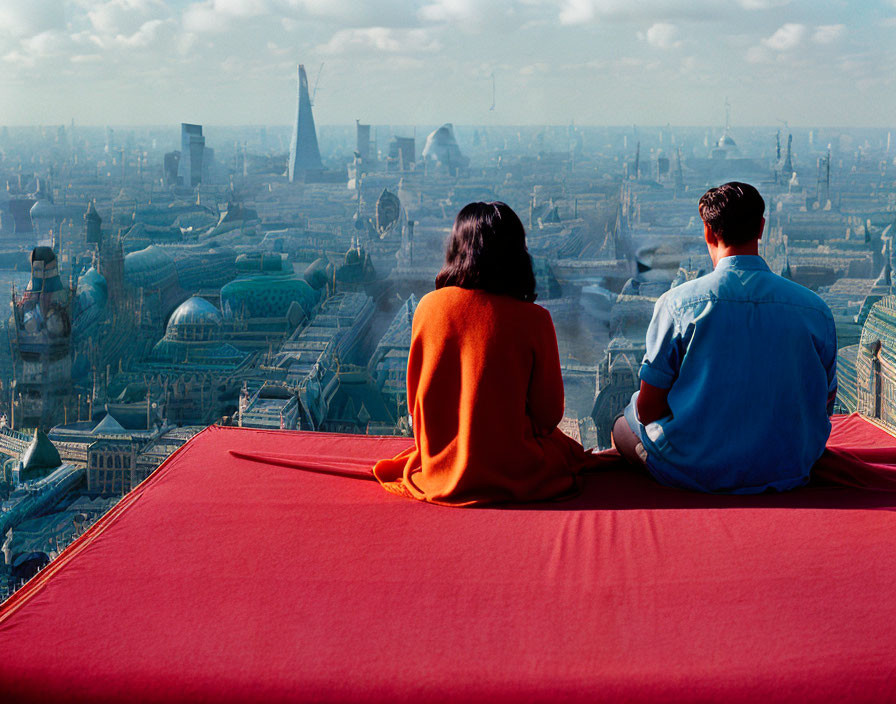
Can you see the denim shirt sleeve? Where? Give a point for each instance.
(662, 358)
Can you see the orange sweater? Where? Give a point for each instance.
(486, 395)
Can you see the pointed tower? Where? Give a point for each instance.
(786, 272)
(304, 154)
(787, 166)
(93, 225)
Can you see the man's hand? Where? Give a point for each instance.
(652, 403)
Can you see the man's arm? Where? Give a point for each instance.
(662, 360)
(652, 403)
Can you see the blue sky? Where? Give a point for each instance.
(598, 62)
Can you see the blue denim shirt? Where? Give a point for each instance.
(749, 360)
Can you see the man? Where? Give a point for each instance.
(739, 379)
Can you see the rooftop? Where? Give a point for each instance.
(305, 579)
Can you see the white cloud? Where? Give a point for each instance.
(758, 55)
(241, 8)
(21, 18)
(584, 11)
(116, 17)
(144, 36)
(448, 10)
(351, 13)
(788, 37)
(828, 33)
(385, 39)
(47, 45)
(200, 18)
(662, 35)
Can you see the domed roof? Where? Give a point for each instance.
(39, 457)
(195, 311)
(92, 277)
(267, 296)
(43, 253)
(90, 300)
(151, 267)
(318, 273)
(726, 141)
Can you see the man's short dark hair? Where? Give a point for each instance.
(733, 212)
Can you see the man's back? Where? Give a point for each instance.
(749, 361)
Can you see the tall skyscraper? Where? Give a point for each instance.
(192, 148)
(363, 148)
(304, 154)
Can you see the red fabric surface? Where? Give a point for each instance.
(227, 578)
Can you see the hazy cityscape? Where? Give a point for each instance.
(164, 278)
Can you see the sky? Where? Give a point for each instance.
(592, 62)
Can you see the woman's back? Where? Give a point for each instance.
(486, 395)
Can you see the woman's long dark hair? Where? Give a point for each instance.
(487, 251)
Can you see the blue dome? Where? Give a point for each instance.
(151, 267)
(195, 311)
(90, 301)
(267, 295)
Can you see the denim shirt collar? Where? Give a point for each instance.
(743, 261)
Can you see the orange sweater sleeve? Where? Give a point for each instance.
(545, 397)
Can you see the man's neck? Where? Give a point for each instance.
(723, 250)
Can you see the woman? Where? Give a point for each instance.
(484, 384)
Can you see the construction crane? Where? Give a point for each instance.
(316, 82)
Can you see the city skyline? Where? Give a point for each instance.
(230, 62)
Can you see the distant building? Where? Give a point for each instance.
(389, 363)
(192, 148)
(93, 225)
(875, 365)
(39, 459)
(313, 355)
(42, 341)
(847, 383)
(112, 466)
(441, 150)
(20, 208)
(273, 406)
(363, 141)
(402, 153)
(304, 154)
(617, 380)
(170, 167)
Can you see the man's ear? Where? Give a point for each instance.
(710, 236)
(761, 229)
